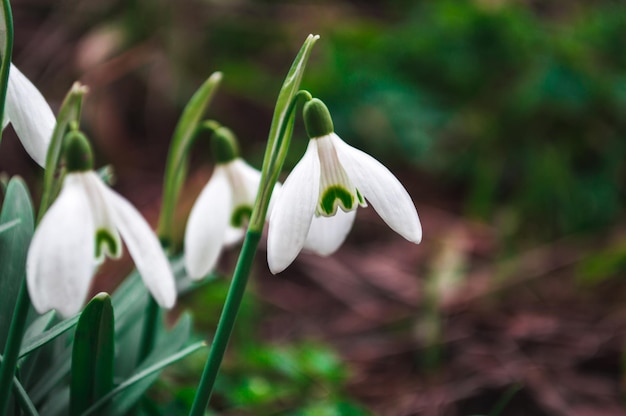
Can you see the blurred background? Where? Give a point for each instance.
(506, 121)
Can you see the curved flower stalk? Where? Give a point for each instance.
(318, 202)
(29, 113)
(83, 226)
(220, 213)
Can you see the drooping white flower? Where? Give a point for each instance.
(29, 113)
(86, 222)
(318, 201)
(223, 207)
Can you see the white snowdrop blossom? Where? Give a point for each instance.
(220, 213)
(29, 113)
(317, 204)
(86, 223)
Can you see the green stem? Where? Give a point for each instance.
(148, 334)
(6, 56)
(226, 323)
(12, 348)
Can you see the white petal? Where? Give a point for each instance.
(207, 224)
(244, 181)
(293, 212)
(382, 189)
(334, 181)
(107, 238)
(144, 248)
(232, 235)
(327, 234)
(30, 115)
(60, 262)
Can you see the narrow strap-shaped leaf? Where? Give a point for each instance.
(39, 339)
(13, 248)
(176, 167)
(167, 343)
(8, 225)
(139, 376)
(22, 397)
(271, 168)
(92, 355)
(27, 406)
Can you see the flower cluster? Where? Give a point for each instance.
(314, 210)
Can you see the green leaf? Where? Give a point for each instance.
(34, 340)
(92, 355)
(14, 244)
(290, 87)
(8, 225)
(280, 133)
(24, 401)
(121, 405)
(57, 371)
(167, 344)
(176, 167)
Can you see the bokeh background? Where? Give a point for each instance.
(506, 121)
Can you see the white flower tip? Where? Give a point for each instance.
(65, 307)
(275, 269)
(168, 299)
(412, 229)
(278, 262)
(194, 270)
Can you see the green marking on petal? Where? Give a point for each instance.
(106, 244)
(336, 193)
(360, 198)
(241, 215)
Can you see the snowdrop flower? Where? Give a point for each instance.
(30, 115)
(220, 213)
(317, 204)
(83, 226)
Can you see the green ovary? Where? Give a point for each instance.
(106, 240)
(240, 214)
(332, 194)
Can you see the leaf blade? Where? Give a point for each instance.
(92, 354)
(14, 244)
